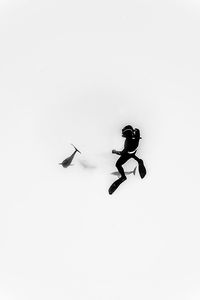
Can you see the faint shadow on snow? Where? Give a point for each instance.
(127, 173)
(86, 165)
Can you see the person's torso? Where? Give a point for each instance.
(131, 145)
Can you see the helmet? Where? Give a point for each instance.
(128, 130)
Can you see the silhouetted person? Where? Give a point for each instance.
(132, 138)
(67, 162)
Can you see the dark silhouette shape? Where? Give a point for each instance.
(132, 138)
(67, 162)
(134, 171)
(126, 173)
(142, 169)
(115, 185)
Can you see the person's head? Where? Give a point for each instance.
(128, 131)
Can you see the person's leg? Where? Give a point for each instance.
(123, 158)
(137, 158)
(142, 169)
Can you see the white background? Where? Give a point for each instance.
(77, 72)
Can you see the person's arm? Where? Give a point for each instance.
(116, 152)
(125, 150)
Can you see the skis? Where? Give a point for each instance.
(118, 182)
(115, 185)
(142, 169)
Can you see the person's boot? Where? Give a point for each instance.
(142, 169)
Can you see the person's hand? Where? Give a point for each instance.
(116, 152)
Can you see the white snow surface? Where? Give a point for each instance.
(77, 72)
